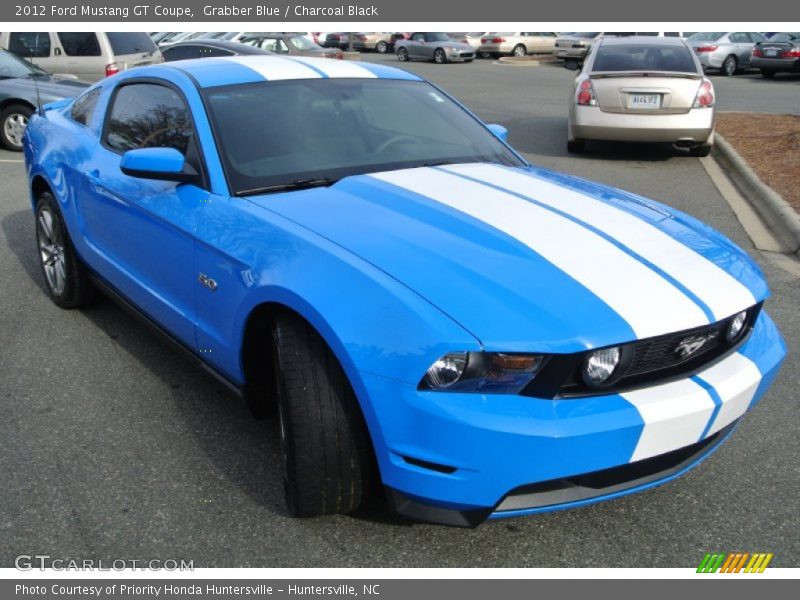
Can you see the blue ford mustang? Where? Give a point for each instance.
(432, 316)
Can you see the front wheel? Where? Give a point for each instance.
(327, 456)
(381, 47)
(402, 55)
(13, 121)
(439, 57)
(729, 66)
(66, 277)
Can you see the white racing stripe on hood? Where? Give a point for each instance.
(675, 415)
(336, 68)
(648, 302)
(273, 68)
(736, 380)
(723, 294)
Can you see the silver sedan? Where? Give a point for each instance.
(728, 52)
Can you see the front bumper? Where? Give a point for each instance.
(591, 123)
(461, 458)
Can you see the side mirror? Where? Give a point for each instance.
(166, 164)
(499, 131)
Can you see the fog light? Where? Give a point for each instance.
(736, 326)
(446, 371)
(600, 366)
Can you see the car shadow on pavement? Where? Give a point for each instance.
(547, 136)
(243, 449)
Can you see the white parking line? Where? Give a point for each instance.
(10, 160)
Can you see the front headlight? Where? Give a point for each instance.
(600, 366)
(484, 372)
(736, 326)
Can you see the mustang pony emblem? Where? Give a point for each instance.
(689, 345)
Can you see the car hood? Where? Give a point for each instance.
(51, 87)
(529, 259)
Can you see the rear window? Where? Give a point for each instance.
(130, 43)
(644, 57)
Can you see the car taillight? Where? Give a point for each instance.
(705, 95)
(112, 69)
(498, 40)
(791, 54)
(757, 52)
(585, 95)
(705, 48)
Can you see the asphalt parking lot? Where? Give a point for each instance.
(112, 446)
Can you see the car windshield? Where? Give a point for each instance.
(302, 43)
(643, 57)
(785, 37)
(439, 37)
(326, 129)
(12, 67)
(585, 34)
(706, 36)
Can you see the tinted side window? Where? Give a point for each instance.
(83, 106)
(29, 45)
(146, 115)
(208, 52)
(123, 42)
(79, 44)
(740, 38)
(180, 53)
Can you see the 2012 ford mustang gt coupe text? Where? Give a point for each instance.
(433, 316)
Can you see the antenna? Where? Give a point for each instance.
(39, 107)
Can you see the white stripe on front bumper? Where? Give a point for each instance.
(676, 414)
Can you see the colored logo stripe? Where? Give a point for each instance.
(734, 562)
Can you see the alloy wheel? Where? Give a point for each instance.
(51, 251)
(14, 127)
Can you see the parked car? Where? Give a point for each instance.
(291, 43)
(779, 54)
(727, 52)
(335, 40)
(429, 312)
(23, 87)
(437, 47)
(517, 44)
(202, 48)
(642, 89)
(573, 47)
(473, 38)
(381, 42)
(89, 56)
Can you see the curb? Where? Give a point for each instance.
(770, 206)
(509, 61)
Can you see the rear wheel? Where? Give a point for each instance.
(701, 150)
(13, 121)
(66, 277)
(439, 57)
(327, 455)
(402, 55)
(484, 54)
(519, 50)
(768, 74)
(381, 47)
(576, 146)
(729, 66)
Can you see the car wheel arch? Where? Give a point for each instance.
(12, 101)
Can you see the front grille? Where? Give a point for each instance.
(467, 55)
(645, 362)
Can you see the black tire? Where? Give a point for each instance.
(9, 119)
(729, 66)
(381, 47)
(77, 290)
(571, 63)
(484, 54)
(327, 454)
(701, 150)
(402, 55)
(576, 146)
(439, 57)
(768, 74)
(519, 50)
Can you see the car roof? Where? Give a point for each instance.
(215, 72)
(642, 39)
(221, 44)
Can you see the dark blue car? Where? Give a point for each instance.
(432, 316)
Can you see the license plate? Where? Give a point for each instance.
(644, 101)
(770, 53)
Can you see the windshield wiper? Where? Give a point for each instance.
(295, 184)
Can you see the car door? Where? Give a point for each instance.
(37, 47)
(428, 47)
(415, 44)
(741, 47)
(140, 231)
